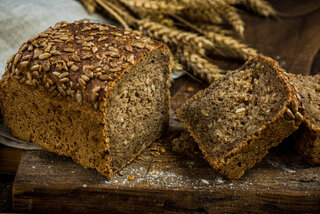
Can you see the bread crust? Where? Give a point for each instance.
(255, 146)
(81, 60)
(307, 137)
(72, 68)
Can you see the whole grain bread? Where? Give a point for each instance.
(89, 91)
(307, 137)
(237, 119)
(184, 144)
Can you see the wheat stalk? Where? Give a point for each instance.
(123, 12)
(90, 5)
(259, 6)
(107, 7)
(230, 46)
(151, 6)
(193, 29)
(173, 36)
(202, 15)
(231, 15)
(200, 66)
(208, 28)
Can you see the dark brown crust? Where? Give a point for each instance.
(93, 108)
(57, 59)
(266, 136)
(307, 137)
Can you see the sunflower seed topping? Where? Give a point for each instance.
(69, 58)
(44, 56)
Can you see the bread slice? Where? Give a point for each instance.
(237, 119)
(308, 135)
(89, 91)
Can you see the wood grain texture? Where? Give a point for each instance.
(9, 160)
(167, 183)
(293, 38)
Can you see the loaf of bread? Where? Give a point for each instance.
(308, 135)
(89, 91)
(237, 119)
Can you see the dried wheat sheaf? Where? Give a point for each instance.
(195, 30)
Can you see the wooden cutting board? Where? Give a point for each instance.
(160, 180)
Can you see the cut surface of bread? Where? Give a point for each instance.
(89, 91)
(308, 135)
(237, 119)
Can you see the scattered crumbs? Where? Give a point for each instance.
(130, 178)
(139, 158)
(72, 172)
(190, 164)
(190, 89)
(116, 181)
(49, 167)
(33, 167)
(155, 154)
(289, 170)
(84, 185)
(107, 182)
(154, 149)
(219, 181)
(277, 57)
(204, 181)
(231, 184)
(162, 150)
(121, 174)
(281, 166)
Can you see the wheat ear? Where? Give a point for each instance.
(200, 66)
(159, 6)
(230, 46)
(259, 6)
(173, 36)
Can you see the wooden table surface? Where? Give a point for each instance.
(167, 182)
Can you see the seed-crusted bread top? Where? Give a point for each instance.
(79, 60)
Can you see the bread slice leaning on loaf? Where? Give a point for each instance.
(308, 135)
(237, 119)
(89, 91)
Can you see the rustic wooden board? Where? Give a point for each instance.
(9, 160)
(173, 183)
(167, 182)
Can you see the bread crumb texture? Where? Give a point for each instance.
(90, 91)
(237, 119)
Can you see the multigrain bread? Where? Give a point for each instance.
(307, 137)
(237, 119)
(89, 91)
(184, 144)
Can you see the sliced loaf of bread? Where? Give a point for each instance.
(89, 91)
(237, 119)
(308, 135)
